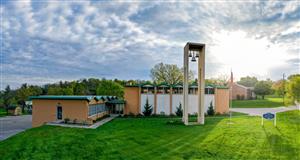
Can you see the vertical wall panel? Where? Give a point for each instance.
(163, 104)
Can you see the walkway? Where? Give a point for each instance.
(261, 111)
(94, 126)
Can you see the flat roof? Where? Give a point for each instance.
(67, 97)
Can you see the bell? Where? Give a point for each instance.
(197, 54)
(193, 59)
(190, 53)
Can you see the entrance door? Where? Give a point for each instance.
(59, 112)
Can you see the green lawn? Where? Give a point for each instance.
(2, 112)
(268, 102)
(154, 138)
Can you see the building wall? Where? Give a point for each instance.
(163, 104)
(164, 101)
(222, 100)
(238, 90)
(44, 111)
(132, 97)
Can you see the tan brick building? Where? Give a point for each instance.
(166, 98)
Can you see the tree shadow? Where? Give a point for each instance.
(280, 145)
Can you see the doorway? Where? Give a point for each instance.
(59, 112)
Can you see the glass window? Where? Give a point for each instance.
(97, 108)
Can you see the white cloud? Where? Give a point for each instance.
(82, 39)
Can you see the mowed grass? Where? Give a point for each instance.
(242, 137)
(268, 102)
(2, 112)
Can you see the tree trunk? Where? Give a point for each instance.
(263, 97)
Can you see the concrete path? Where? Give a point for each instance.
(260, 111)
(94, 126)
(11, 125)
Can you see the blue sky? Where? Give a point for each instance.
(48, 41)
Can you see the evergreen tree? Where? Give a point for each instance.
(211, 110)
(179, 110)
(147, 108)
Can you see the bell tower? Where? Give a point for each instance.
(195, 51)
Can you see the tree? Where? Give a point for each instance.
(147, 108)
(211, 110)
(248, 81)
(294, 88)
(221, 80)
(22, 95)
(278, 87)
(7, 97)
(169, 73)
(179, 110)
(79, 89)
(262, 88)
(110, 88)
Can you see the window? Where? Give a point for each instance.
(97, 108)
(209, 91)
(148, 90)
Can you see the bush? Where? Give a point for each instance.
(66, 120)
(139, 115)
(211, 110)
(179, 110)
(147, 109)
(18, 111)
(238, 97)
(74, 121)
(242, 97)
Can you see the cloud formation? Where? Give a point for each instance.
(44, 42)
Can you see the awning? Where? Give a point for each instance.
(116, 101)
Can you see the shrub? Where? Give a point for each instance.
(139, 115)
(238, 97)
(74, 121)
(242, 97)
(211, 110)
(147, 109)
(18, 111)
(172, 115)
(179, 110)
(67, 120)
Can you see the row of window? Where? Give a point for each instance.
(97, 108)
(176, 91)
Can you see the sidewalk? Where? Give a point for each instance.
(261, 111)
(94, 126)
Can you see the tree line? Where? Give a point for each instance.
(91, 86)
(289, 87)
(160, 73)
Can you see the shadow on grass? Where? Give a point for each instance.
(280, 146)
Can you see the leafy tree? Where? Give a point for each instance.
(79, 89)
(279, 87)
(262, 88)
(248, 81)
(179, 110)
(55, 90)
(108, 87)
(221, 80)
(7, 97)
(211, 110)
(22, 95)
(294, 87)
(147, 108)
(169, 73)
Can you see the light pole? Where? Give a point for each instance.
(195, 51)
